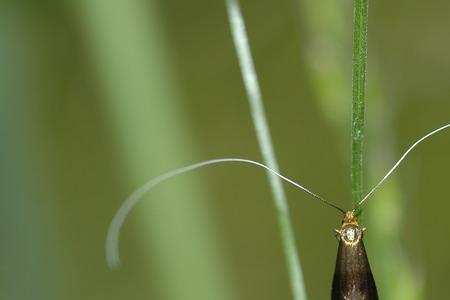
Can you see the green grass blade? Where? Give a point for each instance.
(262, 130)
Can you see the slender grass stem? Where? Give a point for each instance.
(359, 88)
(268, 154)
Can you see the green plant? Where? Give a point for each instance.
(359, 94)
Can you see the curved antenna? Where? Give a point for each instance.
(398, 162)
(112, 239)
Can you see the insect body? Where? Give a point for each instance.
(353, 279)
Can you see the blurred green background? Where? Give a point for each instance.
(98, 96)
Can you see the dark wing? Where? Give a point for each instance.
(353, 279)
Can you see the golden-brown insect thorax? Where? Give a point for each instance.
(350, 232)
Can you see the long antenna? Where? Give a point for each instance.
(112, 239)
(398, 162)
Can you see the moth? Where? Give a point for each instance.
(352, 280)
(353, 277)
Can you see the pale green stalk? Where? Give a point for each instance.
(268, 154)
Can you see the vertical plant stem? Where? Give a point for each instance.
(262, 130)
(359, 88)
